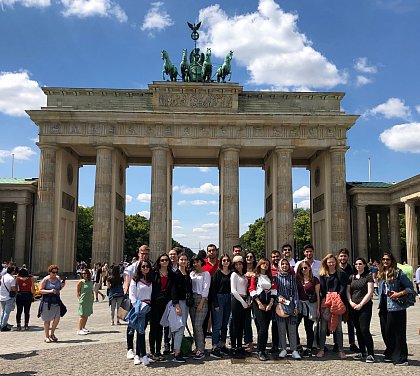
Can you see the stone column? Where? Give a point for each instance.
(160, 202)
(229, 198)
(374, 240)
(42, 254)
(362, 246)
(284, 196)
(101, 238)
(411, 234)
(384, 229)
(339, 228)
(8, 234)
(20, 234)
(394, 224)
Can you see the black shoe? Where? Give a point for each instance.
(354, 348)
(5, 329)
(178, 359)
(387, 360)
(215, 353)
(224, 350)
(307, 353)
(273, 350)
(160, 357)
(262, 356)
(18, 327)
(241, 353)
(335, 348)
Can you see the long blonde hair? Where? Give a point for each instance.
(324, 270)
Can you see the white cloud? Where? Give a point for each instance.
(19, 93)
(176, 221)
(204, 169)
(418, 108)
(302, 192)
(197, 202)
(92, 8)
(144, 213)
(144, 197)
(177, 227)
(214, 213)
(392, 108)
(199, 229)
(402, 137)
(206, 188)
(128, 199)
(362, 80)
(362, 65)
(19, 153)
(26, 3)
(156, 18)
(180, 236)
(304, 204)
(210, 225)
(268, 43)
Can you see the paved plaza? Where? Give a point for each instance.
(103, 352)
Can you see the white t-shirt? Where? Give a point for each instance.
(8, 281)
(131, 269)
(239, 287)
(139, 291)
(201, 283)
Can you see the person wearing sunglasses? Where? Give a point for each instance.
(393, 285)
(309, 304)
(221, 309)
(84, 292)
(49, 308)
(162, 280)
(140, 290)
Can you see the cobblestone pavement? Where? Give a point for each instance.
(103, 352)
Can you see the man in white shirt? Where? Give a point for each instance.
(8, 284)
(308, 251)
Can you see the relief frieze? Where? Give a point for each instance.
(195, 100)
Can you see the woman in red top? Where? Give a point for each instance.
(24, 297)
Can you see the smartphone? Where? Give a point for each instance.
(63, 280)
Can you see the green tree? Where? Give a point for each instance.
(84, 233)
(302, 230)
(254, 239)
(136, 230)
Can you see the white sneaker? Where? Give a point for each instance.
(145, 360)
(283, 354)
(81, 333)
(130, 354)
(295, 355)
(137, 360)
(85, 330)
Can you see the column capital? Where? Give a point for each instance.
(47, 146)
(339, 149)
(230, 148)
(284, 149)
(159, 147)
(104, 147)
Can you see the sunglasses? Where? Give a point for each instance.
(385, 259)
(164, 260)
(225, 260)
(287, 249)
(145, 267)
(303, 267)
(54, 271)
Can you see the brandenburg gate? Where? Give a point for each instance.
(186, 124)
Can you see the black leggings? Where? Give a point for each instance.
(309, 330)
(361, 320)
(393, 329)
(263, 318)
(237, 333)
(23, 303)
(156, 330)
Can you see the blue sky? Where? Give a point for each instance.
(368, 49)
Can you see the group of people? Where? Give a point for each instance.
(226, 294)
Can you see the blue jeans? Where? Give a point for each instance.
(221, 319)
(6, 307)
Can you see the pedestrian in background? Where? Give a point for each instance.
(84, 292)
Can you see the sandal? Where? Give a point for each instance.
(48, 340)
(53, 338)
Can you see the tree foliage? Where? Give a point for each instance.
(136, 228)
(84, 233)
(254, 238)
